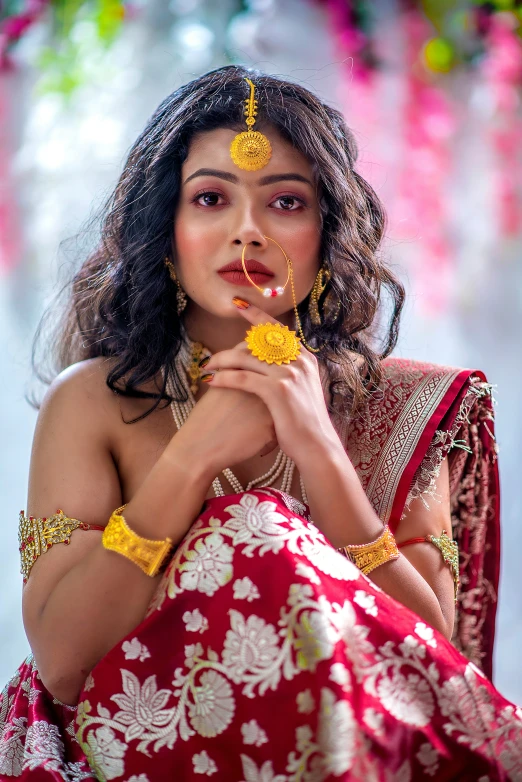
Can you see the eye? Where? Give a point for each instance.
(289, 203)
(207, 199)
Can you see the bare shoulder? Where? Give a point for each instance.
(82, 440)
(82, 390)
(72, 445)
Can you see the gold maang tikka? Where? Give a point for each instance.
(250, 150)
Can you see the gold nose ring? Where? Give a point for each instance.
(268, 291)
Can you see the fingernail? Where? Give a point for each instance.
(204, 362)
(208, 377)
(240, 303)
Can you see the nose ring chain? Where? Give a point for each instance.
(279, 292)
(267, 291)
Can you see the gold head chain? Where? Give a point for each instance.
(250, 150)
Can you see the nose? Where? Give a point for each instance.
(248, 230)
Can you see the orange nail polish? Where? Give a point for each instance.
(204, 361)
(240, 303)
(207, 378)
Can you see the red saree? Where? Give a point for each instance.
(267, 656)
(424, 413)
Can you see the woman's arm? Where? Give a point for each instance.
(81, 599)
(339, 506)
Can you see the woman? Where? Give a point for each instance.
(207, 626)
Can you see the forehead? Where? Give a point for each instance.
(211, 149)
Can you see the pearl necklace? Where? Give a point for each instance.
(283, 465)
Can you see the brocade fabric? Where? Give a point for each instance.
(421, 414)
(266, 656)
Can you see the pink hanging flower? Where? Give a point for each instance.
(12, 28)
(502, 72)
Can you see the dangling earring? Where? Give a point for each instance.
(321, 281)
(181, 296)
(331, 307)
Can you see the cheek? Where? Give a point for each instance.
(188, 241)
(193, 249)
(307, 248)
(304, 238)
(306, 260)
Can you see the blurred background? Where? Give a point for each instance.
(433, 93)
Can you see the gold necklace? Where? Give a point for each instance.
(193, 367)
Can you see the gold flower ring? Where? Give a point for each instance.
(273, 343)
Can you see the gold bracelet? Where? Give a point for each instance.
(149, 555)
(368, 556)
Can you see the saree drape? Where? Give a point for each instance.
(397, 441)
(267, 656)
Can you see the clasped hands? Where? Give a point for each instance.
(292, 392)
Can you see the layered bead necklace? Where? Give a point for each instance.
(187, 365)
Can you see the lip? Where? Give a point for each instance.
(252, 266)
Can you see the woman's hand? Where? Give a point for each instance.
(226, 427)
(292, 392)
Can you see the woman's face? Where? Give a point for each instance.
(223, 207)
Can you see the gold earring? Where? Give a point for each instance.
(321, 281)
(181, 296)
(331, 305)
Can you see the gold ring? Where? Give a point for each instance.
(273, 343)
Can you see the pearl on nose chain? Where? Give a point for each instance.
(273, 291)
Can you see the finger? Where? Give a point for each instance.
(241, 380)
(254, 315)
(239, 357)
(257, 316)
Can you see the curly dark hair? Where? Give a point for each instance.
(122, 303)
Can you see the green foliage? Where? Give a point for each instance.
(61, 69)
(78, 29)
(109, 16)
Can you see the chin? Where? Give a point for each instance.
(218, 307)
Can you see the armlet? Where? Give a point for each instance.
(449, 552)
(36, 536)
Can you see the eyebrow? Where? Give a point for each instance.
(266, 180)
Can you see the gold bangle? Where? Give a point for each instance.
(368, 556)
(149, 555)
